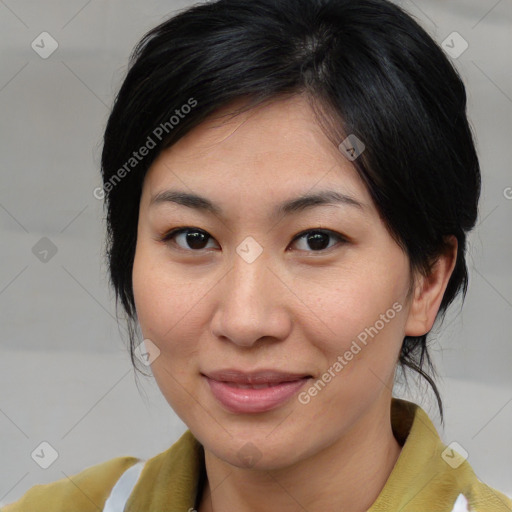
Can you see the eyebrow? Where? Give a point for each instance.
(288, 207)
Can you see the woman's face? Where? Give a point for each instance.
(241, 291)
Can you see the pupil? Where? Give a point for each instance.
(315, 240)
(196, 239)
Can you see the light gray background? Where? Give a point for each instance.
(65, 376)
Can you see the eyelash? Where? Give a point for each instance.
(168, 237)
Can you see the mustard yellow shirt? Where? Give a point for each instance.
(427, 477)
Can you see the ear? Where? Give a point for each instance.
(429, 291)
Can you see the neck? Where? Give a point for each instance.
(346, 476)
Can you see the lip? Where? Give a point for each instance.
(232, 388)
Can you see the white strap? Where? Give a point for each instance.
(461, 504)
(123, 488)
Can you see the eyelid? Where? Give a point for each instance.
(320, 230)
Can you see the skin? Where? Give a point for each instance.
(294, 308)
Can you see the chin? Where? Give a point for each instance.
(255, 452)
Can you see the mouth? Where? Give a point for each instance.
(255, 392)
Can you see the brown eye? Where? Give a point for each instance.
(318, 240)
(191, 238)
(195, 239)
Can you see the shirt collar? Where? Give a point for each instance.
(421, 479)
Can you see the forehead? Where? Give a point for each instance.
(278, 146)
(272, 127)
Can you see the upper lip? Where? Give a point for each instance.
(255, 377)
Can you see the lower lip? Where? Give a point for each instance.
(247, 400)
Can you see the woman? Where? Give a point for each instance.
(289, 186)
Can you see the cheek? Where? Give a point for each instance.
(361, 319)
(147, 293)
(360, 347)
(357, 300)
(154, 293)
(169, 304)
(164, 304)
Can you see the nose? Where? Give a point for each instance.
(253, 304)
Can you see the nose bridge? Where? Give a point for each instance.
(249, 303)
(247, 279)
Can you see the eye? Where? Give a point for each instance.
(193, 237)
(196, 239)
(318, 239)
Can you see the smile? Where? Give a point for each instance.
(240, 392)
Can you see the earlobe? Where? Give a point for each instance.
(429, 291)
